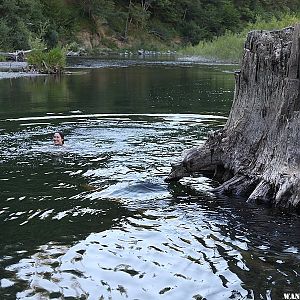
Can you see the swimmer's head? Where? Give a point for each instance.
(58, 138)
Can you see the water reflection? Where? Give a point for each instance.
(125, 88)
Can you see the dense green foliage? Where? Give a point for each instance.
(53, 61)
(130, 23)
(229, 47)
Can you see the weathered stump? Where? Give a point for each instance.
(257, 153)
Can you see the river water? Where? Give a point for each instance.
(95, 220)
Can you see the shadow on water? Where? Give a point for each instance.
(258, 243)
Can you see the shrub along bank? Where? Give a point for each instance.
(49, 62)
(229, 47)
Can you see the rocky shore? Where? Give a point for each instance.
(13, 69)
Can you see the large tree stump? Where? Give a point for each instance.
(257, 153)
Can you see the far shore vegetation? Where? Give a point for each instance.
(213, 29)
(229, 47)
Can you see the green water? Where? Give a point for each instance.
(117, 87)
(95, 220)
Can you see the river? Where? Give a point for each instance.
(94, 219)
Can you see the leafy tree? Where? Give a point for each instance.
(4, 33)
(140, 14)
(18, 19)
(51, 38)
(94, 9)
(190, 21)
(62, 19)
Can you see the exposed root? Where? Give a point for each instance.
(239, 185)
(195, 160)
(264, 192)
(287, 195)
(178, 171)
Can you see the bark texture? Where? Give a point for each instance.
(257, 153)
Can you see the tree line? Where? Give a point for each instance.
(120, 22)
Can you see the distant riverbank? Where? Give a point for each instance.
(12, 66)
(14, 69)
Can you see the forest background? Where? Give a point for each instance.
(195, 26)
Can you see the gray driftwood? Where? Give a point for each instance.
(18, 55)
(257, 153)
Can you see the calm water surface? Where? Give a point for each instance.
(95, 220)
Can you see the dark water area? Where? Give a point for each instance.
(94, 219)
(122, 86)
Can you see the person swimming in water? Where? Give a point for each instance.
(58, 138)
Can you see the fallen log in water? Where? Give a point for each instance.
(257, 153)
(18, 55)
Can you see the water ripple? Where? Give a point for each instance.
(146, 260)
(100, 221)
